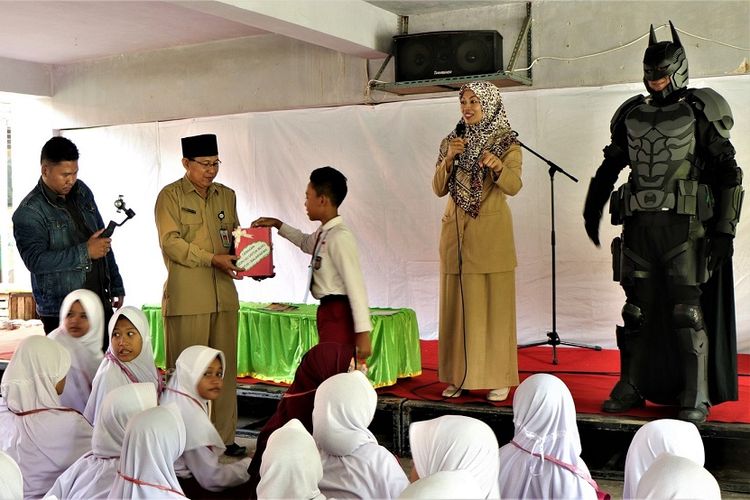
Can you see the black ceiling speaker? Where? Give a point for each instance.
(440, 54)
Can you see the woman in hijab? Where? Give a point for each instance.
(43, 437)
(354, 464)
(676, 477)
(479, 165)
(93, 474)
(456, 443)
(129, 358)
(320, 362)
(198, 379)
(291, 466)
(444, 485)
(654, 438)
(153, 440)
(81, 331)
(543, 459)
(11, 481)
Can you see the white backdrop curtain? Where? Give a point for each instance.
(388, 153)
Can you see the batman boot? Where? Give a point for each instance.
(625, 395)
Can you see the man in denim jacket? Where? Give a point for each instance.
(57, 228)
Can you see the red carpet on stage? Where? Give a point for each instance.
(590, 376)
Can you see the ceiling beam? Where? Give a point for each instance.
(349, 26)
(24, 77)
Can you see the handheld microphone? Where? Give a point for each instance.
(460, 133)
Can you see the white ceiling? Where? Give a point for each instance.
(62, 32)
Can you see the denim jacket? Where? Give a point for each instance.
(46, 239)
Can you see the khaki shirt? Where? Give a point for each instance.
(189, 235)
(487, 244)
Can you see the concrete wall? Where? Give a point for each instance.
(272, 72)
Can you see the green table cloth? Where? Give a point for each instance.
(270, 344)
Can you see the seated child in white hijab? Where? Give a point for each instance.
(11, 480)
(444, 485)
(93, 474)
(676, 477)
(197, 380)
(42, 437)
(354, 464)
(129, 358)
(153, 440)
(456, 443)
(543, 459)
(654, 438)
(291, 465)
(81, 331)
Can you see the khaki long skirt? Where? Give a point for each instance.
(489, 301)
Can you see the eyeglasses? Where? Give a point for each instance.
(206, 164)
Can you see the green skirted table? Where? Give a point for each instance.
(270, 343)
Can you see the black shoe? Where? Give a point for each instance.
(695, 415)
(624, 397)
(235, 450)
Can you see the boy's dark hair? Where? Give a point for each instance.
(59, 149)
(327, 181)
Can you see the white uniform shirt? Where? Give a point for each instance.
(46, 440)
(92, 475)
(85, 351)
(203, 444)
(544, 416)
(339, 272)
(354, 464)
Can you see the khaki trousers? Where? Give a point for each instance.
(219, 331)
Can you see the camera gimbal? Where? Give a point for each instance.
(120, 206)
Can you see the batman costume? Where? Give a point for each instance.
(679, 211)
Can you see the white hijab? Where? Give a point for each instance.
(93, 474)
(46, 442)
(11, 481)
(654, 438)
(153, 440)
(456, 442)
(544, 416)
(676, 477)
(182, 389)
(111, 372)
(354, 464)
(444, 485)
(85, 351)
(291, 465)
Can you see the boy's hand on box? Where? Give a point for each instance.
(226, 264)
(266, 222)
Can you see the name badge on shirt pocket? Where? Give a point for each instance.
(316, 264)
(225, 240)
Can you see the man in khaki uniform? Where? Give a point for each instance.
(195, 217)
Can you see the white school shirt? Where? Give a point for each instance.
(456, 442)
(203, 444)
(339, 272)
(544, 417)
(111, 375)
(354, 464)
(48, 440)
(11, 481)
(291, 466)
(676, 477)
(85, 351)
(654, 438)
(92, 475)
(153, 440)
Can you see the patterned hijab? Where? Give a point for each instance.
(492, 133)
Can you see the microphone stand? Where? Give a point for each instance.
(553, 338)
